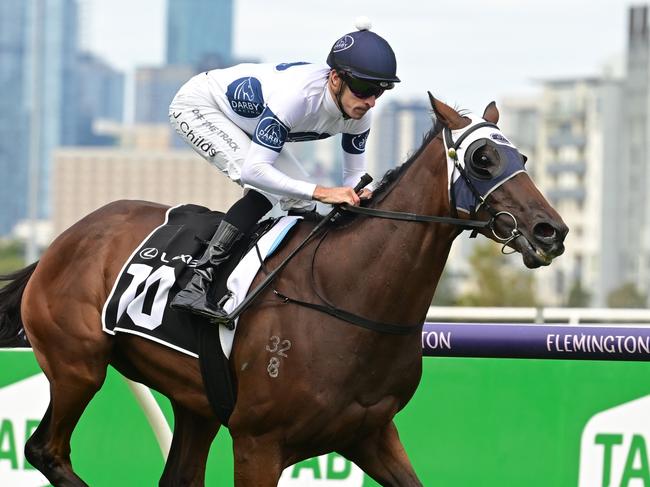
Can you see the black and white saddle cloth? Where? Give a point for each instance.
(163, 264)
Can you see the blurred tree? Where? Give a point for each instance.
(11, 257)
(496, 282)
(626, 296)
(579, 297)
(445, 294)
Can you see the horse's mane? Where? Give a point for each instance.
(394, 174)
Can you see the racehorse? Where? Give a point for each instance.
(335, 386)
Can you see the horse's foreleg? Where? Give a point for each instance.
(258, 461)
(193, 435)
(382, 456)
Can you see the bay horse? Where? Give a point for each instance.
(336, 387)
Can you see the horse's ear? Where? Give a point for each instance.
(445, 113)
(432, 100)
(491, 113)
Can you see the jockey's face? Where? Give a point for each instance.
(352, 104)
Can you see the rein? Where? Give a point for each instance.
(388, 328)
(474, 225)
(414, 217)
(378, 326)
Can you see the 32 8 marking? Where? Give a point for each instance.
(276, 341)
(277, 347)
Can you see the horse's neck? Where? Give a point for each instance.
(423, 190)
(423, 187)
(404, 260)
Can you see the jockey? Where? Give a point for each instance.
(239, 119)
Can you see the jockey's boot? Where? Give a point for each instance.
(194, 297)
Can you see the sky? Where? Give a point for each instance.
(466, 52)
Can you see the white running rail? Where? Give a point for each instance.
(154, 415)
(572, 316)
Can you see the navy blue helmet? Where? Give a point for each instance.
(365, 55)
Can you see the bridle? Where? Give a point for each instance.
(452, 149)
(452, 152)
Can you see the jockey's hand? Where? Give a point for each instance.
(335, 196)
(365, 194)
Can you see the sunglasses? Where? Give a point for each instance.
(363, 89)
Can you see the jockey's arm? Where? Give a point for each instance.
(259, 171)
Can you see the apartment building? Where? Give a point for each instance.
(144, 167)
(575, 127)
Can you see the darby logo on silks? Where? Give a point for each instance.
(245, 97)
(18, 420)
(271, 133)
(330, 470)
(614, 446)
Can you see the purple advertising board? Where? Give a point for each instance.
(566, 342)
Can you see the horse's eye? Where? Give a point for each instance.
(481, 159)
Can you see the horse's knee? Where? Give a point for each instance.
(259, 461)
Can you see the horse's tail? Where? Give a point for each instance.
(12, 333)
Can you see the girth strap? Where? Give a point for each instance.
(380, 327)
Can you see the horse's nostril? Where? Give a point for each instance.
(544, 231)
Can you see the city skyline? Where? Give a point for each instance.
(466, 52)
(400, 122)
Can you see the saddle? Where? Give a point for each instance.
(158, 269)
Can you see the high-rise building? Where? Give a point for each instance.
(100, 96)
(578, 137)
(52, 61)
(155, 88)
(199, 32)
(634, 165)
(199, 38)
(14, 122)
(38, 48)
(520, 120)
(594, 165)
(397, 131)
(142, 166)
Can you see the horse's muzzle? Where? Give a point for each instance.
(548, 237)
(542, 244)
